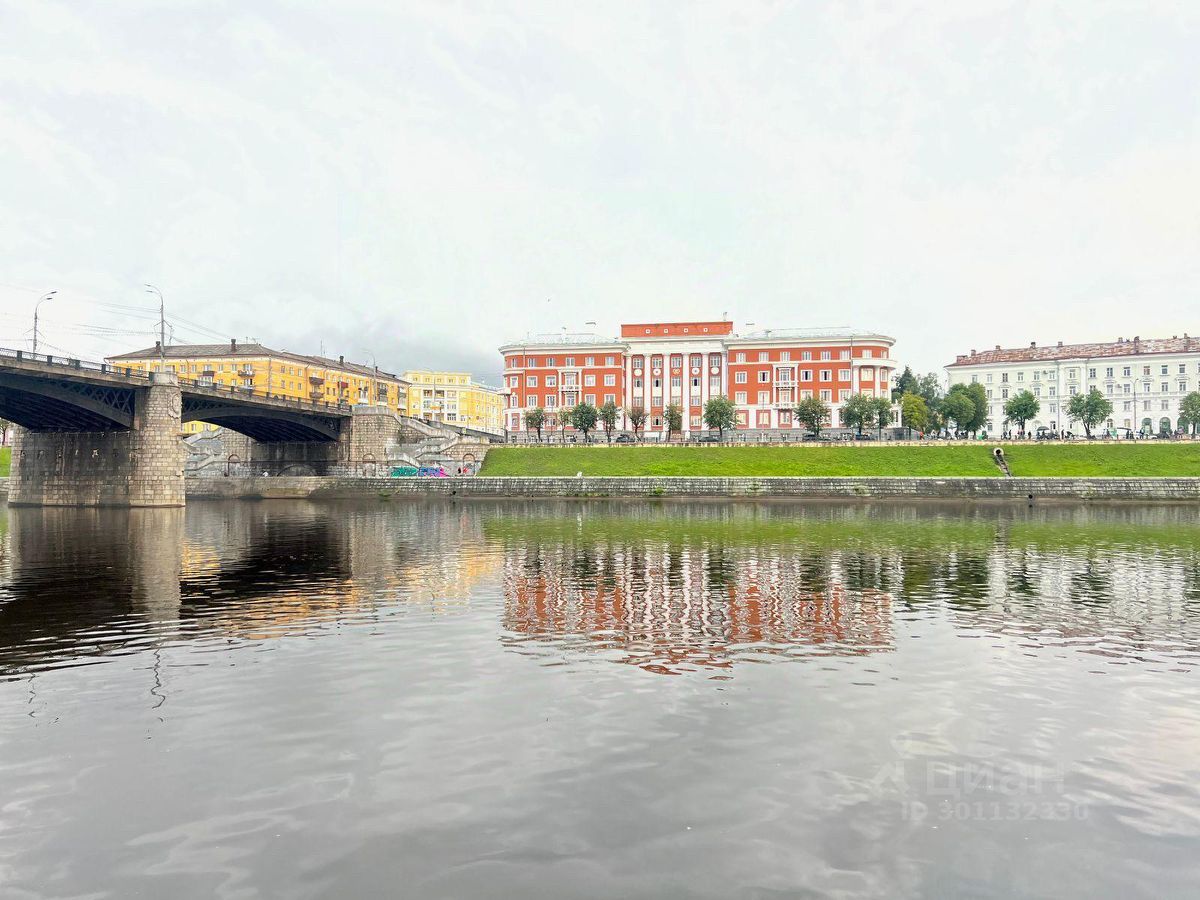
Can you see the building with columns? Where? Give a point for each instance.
(654, 364)
(1144, 379)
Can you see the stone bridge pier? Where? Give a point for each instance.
(365, 441)
(138, 466)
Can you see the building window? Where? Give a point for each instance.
(806, 355)
(676, 360)
(1091, 373)
(741, 357)
(827, 374)
(806, 374)
(763, 356)
(764, 375)
(696, 361)
(610, 380)
(843, 374)
(569, 361)
(531, 381)
(740, 378)
(827, 395)
(551, 381)
(589, 360)
(785, 356)
(764, 398)
(825, 354)
(589, 380)
(740, 398)
(549, 361)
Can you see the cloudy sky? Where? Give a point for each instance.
(422, 181)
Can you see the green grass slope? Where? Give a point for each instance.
(748, 461)
(1101, 460)
(1143, 460)
(5, 461)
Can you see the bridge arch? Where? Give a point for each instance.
(64, 406)
(263, 423)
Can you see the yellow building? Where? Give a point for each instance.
(261, 370)
(454, 398)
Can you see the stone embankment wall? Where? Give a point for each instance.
(1010, 489)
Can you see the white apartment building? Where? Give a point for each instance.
(1145, 380)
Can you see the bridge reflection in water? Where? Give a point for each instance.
(669, 588)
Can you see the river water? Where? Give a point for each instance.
(501, 699)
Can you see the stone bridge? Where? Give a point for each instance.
(94, 434)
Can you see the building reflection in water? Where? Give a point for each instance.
(671, 588)
(675, 604)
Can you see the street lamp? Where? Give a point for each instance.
(374, 378)
(36, 307)
(162, 327)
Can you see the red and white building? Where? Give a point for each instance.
(655, 364)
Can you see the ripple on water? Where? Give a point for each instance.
(499, 699)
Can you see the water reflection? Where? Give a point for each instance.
(666, 588)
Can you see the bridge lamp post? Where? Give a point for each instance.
(374, 377)
(36, 307)
(162, 327)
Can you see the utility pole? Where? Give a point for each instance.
(36, 306)
(162, 327)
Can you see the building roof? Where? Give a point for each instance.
(809, 334)
(563, 339)
(1120, 347)
(234, 350)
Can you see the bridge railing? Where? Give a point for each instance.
(69, 362)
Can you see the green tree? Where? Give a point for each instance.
(881, 414)
(929, 389)
(914, 412)
(536, 419)
(1021, 407)
(636, 415)
(858, 412)
(583, 418)
(906, 384)
(812, 413)
(1089, 409)
(979, 398)
(673, 415)
(979, 406)
(608, 418)
(720, 413)
(958, 408)
(1189, 410)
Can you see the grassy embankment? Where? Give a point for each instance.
(5, 461)
(1095, 460)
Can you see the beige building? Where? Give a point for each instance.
(453, 397)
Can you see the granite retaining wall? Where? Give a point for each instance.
(1010, 489)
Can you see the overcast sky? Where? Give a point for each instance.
(423, 181)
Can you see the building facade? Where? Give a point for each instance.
(1145, 380)
(258, 369)
(653, 365)
(455, 398)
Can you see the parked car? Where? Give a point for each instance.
(708, 439)
(624, 439)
